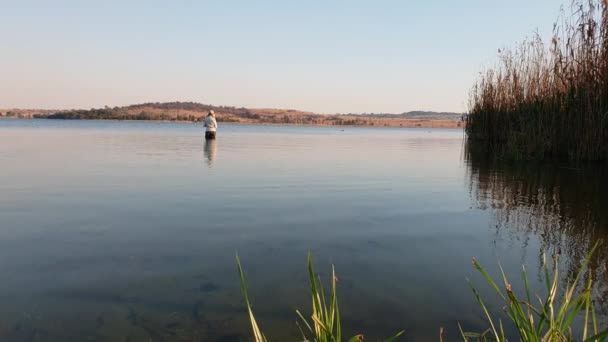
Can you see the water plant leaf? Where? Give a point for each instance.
(556, 314)
(257, 334)
(394, 337)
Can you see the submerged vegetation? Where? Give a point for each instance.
(553, 320)
(548, 103)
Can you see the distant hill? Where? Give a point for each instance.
(195, 112)
(417, 115)
(24, 113)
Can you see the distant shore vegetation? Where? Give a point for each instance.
(548, 102)
(195, 112)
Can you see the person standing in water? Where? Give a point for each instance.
(210, 125)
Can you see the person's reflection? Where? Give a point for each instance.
(210, 151)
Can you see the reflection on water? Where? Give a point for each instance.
(564, 207)
(210, 151)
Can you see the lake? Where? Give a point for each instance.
(128, 231)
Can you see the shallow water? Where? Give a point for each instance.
(126, 231)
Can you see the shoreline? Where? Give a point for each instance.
(415, 123)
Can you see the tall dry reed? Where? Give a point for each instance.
(548, 102)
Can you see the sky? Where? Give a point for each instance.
(322, 56)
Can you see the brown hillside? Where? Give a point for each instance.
(190, 111)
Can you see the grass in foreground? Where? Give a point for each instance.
(552, 318)
(324, 324)
(549, 321)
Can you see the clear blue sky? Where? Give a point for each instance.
(322, 56)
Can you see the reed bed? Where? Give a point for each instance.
(548, 101)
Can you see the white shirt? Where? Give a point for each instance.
(210, 124)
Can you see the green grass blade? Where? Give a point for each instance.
(546, 272)
(305, 321)
(573, 311)
(321, 325)
(599, 337)
(485, 310)
(586, 262)
(335, 309)
(304, 338)
(464, 336)
(502, 331)
(571, 307)
(518, 315)
(324, 316)
(356, 338)
(394, 337)
(594, 320)
(316, 300)
(544, 317)
(588, 301)
(259, 337)
(526, 284)
(488, 278)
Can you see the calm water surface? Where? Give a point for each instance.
(125, 231)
